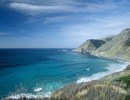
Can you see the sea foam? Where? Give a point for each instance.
(111, 69)
(29, 96)
(64, 50)
(39, 92)
(38, 89)
(87, 69)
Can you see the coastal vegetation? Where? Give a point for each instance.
(112, 87)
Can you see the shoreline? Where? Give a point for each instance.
(82, 80)
(103, 74)
(126, 63)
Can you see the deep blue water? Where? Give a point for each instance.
(22, 70)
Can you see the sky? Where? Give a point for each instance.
(60, 23)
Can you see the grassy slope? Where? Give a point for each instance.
(111, 87)
(117, 47)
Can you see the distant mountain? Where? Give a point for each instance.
(115, 47)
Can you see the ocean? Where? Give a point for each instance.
(46, 70)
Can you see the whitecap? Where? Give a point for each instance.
(111, 69)
(38, 89)
(47, 94)
(28, 96)
(64, 50)
(87, 69)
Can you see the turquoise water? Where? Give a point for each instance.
(24, 70)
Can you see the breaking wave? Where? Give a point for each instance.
(110, 69)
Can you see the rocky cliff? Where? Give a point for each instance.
(117, 47)
(90, 46)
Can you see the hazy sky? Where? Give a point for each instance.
(60, 23)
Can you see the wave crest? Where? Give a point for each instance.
(111, 69)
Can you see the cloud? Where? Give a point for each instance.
(71, 21)
(2, 33)
(55, 11)
(34, 9)
(61, 6)
(76, 34)
(49, 2)
(59, 19)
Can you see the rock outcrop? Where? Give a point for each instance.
(90, 46)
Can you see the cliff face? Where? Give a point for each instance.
(112, 87)
(117, 47)
(90, 46)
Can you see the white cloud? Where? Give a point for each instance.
(49, 2)
(61, 6)
(34, 9)
(58, 19)
(84, 21)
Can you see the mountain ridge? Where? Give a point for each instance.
(117, 47)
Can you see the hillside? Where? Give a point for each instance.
(112, 87)
(90, 45)
(116, 47)
(108, 38)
